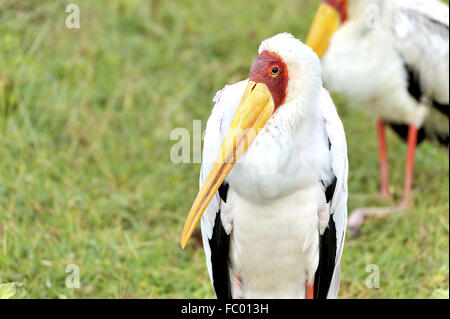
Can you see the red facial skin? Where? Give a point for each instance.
(341, 7)
(261, 72)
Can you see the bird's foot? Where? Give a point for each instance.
(406, 202)
(385, 195)
(356, 219)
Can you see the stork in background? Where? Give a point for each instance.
(273, 181)
(389, 58)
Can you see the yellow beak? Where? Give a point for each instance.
(254, 111)
(325, 23)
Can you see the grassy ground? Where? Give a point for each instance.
(85, 172)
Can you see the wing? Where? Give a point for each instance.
(215, 238)
(327, 279)
(421, 36)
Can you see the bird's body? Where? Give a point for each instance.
(286, 181)
(281, 211)
(391, 59)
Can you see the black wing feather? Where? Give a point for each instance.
(402, 131)
(327, 260)
(329, 191)
(328, 247)
(443, 108)
(416, 92)
(220, 245)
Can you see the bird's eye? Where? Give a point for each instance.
(275, 71)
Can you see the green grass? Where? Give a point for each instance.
(85, 172)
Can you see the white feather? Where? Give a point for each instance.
(366, 58)
(275, 189)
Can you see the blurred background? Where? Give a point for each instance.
(85, 170)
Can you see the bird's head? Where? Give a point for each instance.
(285, 75)
(330, 15)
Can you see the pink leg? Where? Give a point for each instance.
(356, 219)
(412, 142)
(384, 166)
(310, 291)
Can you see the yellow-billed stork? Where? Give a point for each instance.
(391, 59)
(273, 181)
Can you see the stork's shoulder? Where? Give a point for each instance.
(226, 102)
(326, 104)
(420, 31)
(423, 22)
(434, 10)
(333, 124)
(420, 25)
(228, 97)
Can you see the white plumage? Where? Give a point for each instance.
(382, 51)
(389, 58)
(277, 188)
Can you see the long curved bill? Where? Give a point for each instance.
(253, 112)
(325, 23)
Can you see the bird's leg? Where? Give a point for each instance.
(412, 142)
(384, 166)
(356, 219)
(310, 291)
